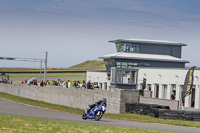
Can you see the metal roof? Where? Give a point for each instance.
(148, 41)
(139, 56)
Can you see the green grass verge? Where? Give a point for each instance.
(40, 104)
(123, 116)
(30, 124)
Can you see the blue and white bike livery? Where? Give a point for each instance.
(95, 113)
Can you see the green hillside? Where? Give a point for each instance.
(89, 65)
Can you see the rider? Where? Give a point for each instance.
(103, 101)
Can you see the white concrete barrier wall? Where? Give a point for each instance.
(80, 98)
(73, 97)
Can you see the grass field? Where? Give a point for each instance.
(123, 116)
(29, 124)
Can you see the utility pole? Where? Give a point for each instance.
(40, 69)
(45, 69)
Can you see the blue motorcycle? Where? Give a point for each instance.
(95, 113)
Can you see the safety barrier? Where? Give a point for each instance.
(164, 112)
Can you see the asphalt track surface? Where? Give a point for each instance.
(18, 109)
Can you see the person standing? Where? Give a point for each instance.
(47, 83)
(69, 84)
(59, 82)
(42, 83)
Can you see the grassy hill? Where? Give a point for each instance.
(87, 65)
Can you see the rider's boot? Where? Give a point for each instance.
(86, 110)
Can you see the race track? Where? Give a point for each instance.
(14, 108)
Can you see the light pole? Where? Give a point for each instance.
(45, 61)
(197, 94)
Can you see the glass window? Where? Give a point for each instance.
(119, 66)
(137, 48)
(119, 75)
(129, 47)
(173, 92)
(124, 47)
(118, 63)
(119, 47)
(147, 64)
(141, 64)
(132, 49)
(113, 76)
(123, 76)
(124, 63)
(165, 91)
(131, 64)
(109, 64)
(149, 87)
(126, 76)
(135, 64)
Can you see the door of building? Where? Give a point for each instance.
(157, 91)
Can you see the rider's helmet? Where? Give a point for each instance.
(104, 100)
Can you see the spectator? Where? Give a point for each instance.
(173, 96)
(10, 81)
(47, 83)
(33, 82)
(54, 83)
(89, 86)
(59, 82)
(75, 83)
(69, 84)
(42, 83)
(64, 84)
(84, 84)
(36, 82)
(95, 85)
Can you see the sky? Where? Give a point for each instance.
(73, 31)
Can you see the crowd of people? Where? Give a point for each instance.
(67, 84)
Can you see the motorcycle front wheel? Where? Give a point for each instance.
(98, 115)
(84, 116)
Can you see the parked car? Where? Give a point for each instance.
(4, 78)
(32, 81)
